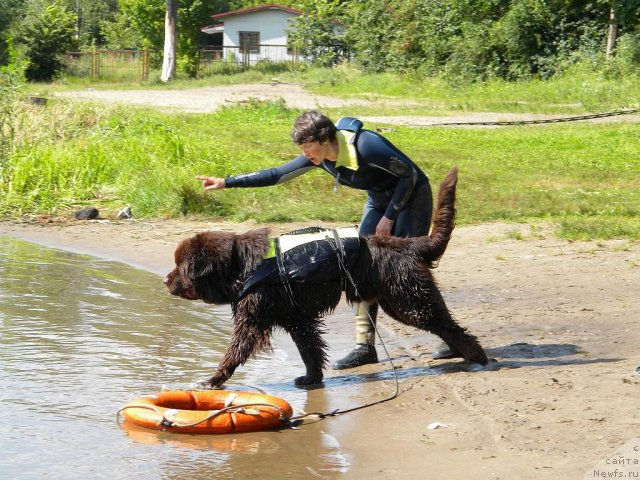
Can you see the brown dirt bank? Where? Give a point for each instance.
(560, 318)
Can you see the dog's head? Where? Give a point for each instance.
(210, 264)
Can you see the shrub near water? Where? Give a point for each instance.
(584, 177)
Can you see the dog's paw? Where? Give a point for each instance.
(307, 380)
(214, 382)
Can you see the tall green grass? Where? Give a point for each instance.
(583, 177)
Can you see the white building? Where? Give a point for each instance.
(255, 34)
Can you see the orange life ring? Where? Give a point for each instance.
(208, 411)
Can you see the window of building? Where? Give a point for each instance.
(249, 42)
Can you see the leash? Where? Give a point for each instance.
(338, 248)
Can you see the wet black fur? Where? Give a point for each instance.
(395, 272)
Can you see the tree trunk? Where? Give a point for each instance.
(613, 32)
(170, 37)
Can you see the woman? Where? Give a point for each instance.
(399, 199)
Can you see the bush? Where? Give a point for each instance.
(11, 80)
(48, 34)
(627, 55)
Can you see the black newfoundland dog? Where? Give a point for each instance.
(216, 267)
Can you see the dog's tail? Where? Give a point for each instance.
(432, 247)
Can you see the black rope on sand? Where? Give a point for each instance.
(539, 122)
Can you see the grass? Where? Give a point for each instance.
(584, 178)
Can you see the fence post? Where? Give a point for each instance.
(145, 64)
(95, 62)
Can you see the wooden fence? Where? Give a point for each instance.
(108, 64)
(136, 64)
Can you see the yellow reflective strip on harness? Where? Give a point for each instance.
(287, 242)
(271, 250)
(347, 156)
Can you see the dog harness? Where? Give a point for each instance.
(313, 255)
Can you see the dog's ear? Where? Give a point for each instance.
(192, 260)
(206, 254)
(196, 266)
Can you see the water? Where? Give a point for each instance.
(80, 337)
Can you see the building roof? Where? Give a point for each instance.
(216, 28)
(269, 6)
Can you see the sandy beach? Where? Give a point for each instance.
(560, 319)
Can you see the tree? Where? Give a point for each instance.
(48, 32)
(317, 34)
(91, 16)
(369, 28)
(170, 37)
(119, 34)
(9, 10)
(620, 12)
(148, 18)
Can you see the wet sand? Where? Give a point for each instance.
(560, 318)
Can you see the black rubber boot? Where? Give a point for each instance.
(363, 354)
(443, 352)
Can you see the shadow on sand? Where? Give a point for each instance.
(517, 355)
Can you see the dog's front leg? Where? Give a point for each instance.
(312, 348)
(245, 342)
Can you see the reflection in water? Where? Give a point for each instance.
(80, 337)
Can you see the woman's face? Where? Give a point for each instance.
(316, 152)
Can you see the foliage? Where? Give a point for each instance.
(120, 34)
(460, 40)
(577, 90)
(147, 18)
(480, 39)
(46, 34)
(11, 82)
(627, 59)
(627, 11)
(369, 29)
(10, 10)
(317, 35)
(91, 19)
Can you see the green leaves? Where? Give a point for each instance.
(47, 33)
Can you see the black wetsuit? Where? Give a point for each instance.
(390, 178)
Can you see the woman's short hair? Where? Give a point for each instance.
(313, 126)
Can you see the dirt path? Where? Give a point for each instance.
(208, 99)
